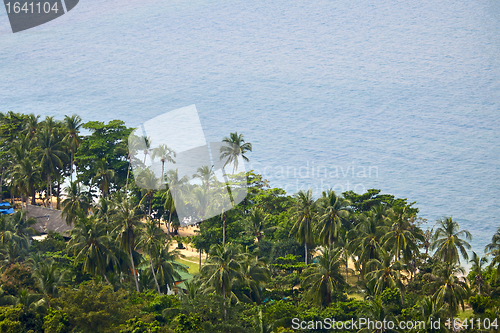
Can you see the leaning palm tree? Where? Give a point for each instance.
(478, 265)
(234, 148)
(72, 139)
(323, 278)
(150, 242)
(128, 228)
(447, 241)
(165, 154)
(304, 212)
(332, 210)
(221, 269)
(493, 250)
(91, 243)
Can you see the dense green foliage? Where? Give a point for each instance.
(272, 258)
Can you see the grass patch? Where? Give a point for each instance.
(193, 268)
(465, 314)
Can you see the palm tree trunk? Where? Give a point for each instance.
(223, 229)
(1, 183)
(169, 219)
(154, 275)
(224, 295)
(346, 267)
(128, 172)
(199, 263)
(305, 247)
(72, 161)
(133, 268)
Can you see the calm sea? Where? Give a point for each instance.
(399, 96)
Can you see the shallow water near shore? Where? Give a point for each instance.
(372, 94)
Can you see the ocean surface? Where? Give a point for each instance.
(398, 96)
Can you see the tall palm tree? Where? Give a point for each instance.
(128, 228)
(165, 154)
(447, 241)
(51, 155)
(174, 184)
(221, 269)
(90, 242)
(73, 125)
(134, 144)
(151, 241)
(234, 148)
(148, 181)
(103, 177)
(166, 267)
(206, 175)
(147, 145)
(304, 212)
(75, 202)
(493, 250)
(478, 265)
(332, 210)
(323, 278)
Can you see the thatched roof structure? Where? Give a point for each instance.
(48, 220)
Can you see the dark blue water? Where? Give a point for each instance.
(352, 95)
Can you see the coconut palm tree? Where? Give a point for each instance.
(332, 209)
(165, 154)
(304, 212)
(51, 156)
(49, 278)
(221, 269)
(449, 285)
(148, 181)
(26, 174)
(323, 278)
(75, 202)
(401, 238)
(493, 250)
(384, 273)
(146, 146)
(91, 243)
(166, 267)
(72, 140)
(430, 311)
(234, 148)
(254, 274)
(134, 144)
(150, 241)
(103, 177)
(478, 265)
(128, 228)
(206, 175)
(255, 223)
(447, 241)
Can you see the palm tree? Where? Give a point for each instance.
(255, 223)
(134, 143)
(493, 249)
(322, 279)
(385, 274)
(254, 274)
(366, 237)
(376, 311)
(401, 238)
(174, 184)
(72, 139)
(150, 242)
(221, 269)
(103, 177)
(234, 148)
(146, 146)
(27, 174)
(166, 267)
(305, 213)
(165, 154)
(447, 241)
(449, 287)
(51, 156)
(478, 267)
(148, 181)
(90, 242)
(127, 229)
(332, 210)
(206, 175)
(49, 278)
(74, 203)
(430, 311)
